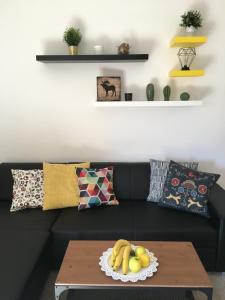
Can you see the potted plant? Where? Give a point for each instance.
(72, 38)
(191, 20)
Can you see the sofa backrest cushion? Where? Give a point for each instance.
(130, 180)
(121, 178)
(140, 179)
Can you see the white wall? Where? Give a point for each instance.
(47, 110)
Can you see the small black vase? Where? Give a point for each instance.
(128, 96)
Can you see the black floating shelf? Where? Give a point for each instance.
(93, 58)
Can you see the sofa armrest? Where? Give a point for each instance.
(217, 211)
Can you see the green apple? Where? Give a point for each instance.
(139, 251)
(134, 264)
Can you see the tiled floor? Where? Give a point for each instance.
(218, 280)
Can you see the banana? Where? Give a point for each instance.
(126, 257)
(118, 245)
(112, 259)
(119, 259)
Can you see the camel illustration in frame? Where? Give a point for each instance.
(108, 88)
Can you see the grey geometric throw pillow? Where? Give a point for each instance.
(159, 171)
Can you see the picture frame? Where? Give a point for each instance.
(108, 88)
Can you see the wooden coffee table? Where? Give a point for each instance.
(179, 273)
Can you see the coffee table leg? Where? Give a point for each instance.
(59, 290)
(189, 295)
(207, 292)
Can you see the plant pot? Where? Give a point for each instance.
(190, 29)
(73, 50)
(128, 96)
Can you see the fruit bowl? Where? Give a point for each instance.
(143, 274)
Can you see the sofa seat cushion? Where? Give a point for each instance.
(100, 223)
(152, 222)
(19, 253)
(33, 218)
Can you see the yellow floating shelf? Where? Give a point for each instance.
(188, 73)
(188, 41)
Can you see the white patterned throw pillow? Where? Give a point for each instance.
(159, 171)
(27, 189)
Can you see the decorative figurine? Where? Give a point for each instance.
(166, 93)
(150, 92)
(184, 96)
(98, 49)
(124, 49)
(186, 57)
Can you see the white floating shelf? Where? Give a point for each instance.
(174, 103)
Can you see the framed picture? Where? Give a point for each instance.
(108, 88)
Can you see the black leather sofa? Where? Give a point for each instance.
(32, 241)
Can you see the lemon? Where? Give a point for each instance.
(145, 260)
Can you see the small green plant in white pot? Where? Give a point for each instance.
(191, 20)
(72, 38)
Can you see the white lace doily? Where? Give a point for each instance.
(133, 277)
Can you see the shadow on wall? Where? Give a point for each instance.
(196, 92)
(99, 155)
(208, 25)
(86, 153)
(57, 46)
(139, 92)
(212, 167)
(53, 46)
(204, 166)
(139, 45)
(200, 62)
(110, 46)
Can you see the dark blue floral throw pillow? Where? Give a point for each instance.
(187, 190)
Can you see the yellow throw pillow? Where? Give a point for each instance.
(61, 185)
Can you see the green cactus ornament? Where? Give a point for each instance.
(150, 92)
(184, 96)
(167, 92)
